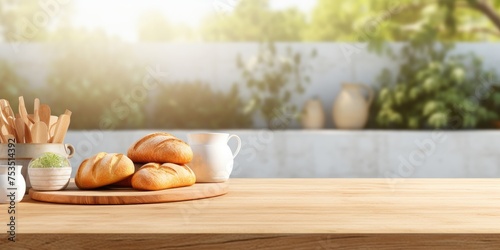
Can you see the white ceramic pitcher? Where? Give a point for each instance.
(212, 158)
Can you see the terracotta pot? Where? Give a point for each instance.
(350, 109)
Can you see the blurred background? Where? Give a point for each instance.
(207, 63)
(278, 65)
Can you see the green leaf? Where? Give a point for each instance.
(438, 120)
(496, 99)
(430, 84)
(396, 118)
(399, 97)
(413, 122)
(384, 94)
(458, 75)
(469, 121)
(431, 107)
(414, 93)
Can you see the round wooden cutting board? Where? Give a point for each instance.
(121, 196)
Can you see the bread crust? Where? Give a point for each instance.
(160, 148)
(103, 169)
(153, 176)
(127, 182)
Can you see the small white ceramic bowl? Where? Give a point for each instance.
(46, 179)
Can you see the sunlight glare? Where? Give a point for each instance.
(121, 17)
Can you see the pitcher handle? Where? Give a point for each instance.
(71, 150)
(370, 92)
(239, 144)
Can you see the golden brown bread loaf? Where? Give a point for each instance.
(103, 169)
(127, 182)
(154, 176)
(161, 148)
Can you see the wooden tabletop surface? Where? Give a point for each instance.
(283, 206)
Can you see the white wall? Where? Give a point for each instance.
(335, 153)
(216, 63)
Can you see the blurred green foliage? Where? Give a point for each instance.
(356, 21)
(17, 23)
(254, 20)
(194, 105)
(401, 20)
(12, 85)
(273, 79)
(98, 79)
(433, 89)
(491, 101)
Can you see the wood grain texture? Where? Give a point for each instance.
(381, 212)
(253, 241)
(123, 196)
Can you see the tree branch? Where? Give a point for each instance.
(481, 30)
(488, 10)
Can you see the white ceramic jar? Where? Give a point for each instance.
(15, 185)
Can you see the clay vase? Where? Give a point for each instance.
(350, 109)
(313, 115)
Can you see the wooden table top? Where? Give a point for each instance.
(282, 206)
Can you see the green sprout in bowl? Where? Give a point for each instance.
(49, 160)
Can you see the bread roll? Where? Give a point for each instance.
(154, 176)
(160, 148)
(103, 169)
